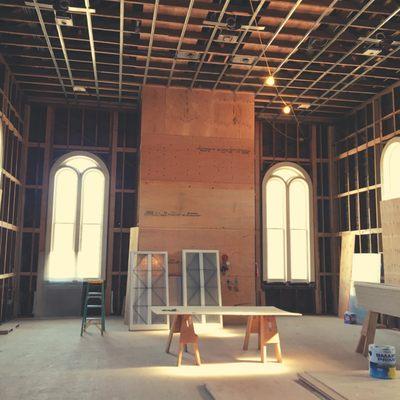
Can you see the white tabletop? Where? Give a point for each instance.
(224, 310)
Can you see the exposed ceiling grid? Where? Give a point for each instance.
(330, 54)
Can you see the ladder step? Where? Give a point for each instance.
(94, 293)
(94, 306)
(93, 318)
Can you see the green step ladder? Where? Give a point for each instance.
(94, 300)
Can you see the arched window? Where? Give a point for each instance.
(287, 225)
(77, 218)
(390, 166)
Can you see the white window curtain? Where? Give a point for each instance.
(77, 219)
(390, 165)
(287, 244)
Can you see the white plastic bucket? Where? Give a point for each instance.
(382, 361)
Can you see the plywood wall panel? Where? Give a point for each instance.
(196, 186)
(390, 216)
(197, 112)
(193, 205)
(346, 263)
(196, 159)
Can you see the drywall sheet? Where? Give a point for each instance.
(390, 216)
(346, 262)
(366, 268)
(257, 389)
(378, 297)
(351, 385)
(149, 287)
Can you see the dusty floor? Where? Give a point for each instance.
(47, 359)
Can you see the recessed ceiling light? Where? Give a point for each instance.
(371, 52)
(247, 60)
(187, 55)
(79, 89)
(227, 38)
(64, 19)
(304, 106)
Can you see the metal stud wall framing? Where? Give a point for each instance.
(12, 120)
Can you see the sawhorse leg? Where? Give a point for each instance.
(367, 332)
(183, 324)
(267, 330)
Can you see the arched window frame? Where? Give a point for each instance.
(306, 178)
(57, 166)
(385, 195)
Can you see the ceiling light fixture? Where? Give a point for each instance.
(286, 109)
(269, 81)
(79, 89)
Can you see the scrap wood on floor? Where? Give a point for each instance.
(8, 327)
(350, 385)
(265, 388)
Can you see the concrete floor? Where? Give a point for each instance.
(47, 359)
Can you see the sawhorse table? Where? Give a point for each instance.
(376, 298)
(260, 320)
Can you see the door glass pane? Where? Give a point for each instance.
(193, 279)
(140, 290)
(62, 247)
(158, 286)
(210, 279)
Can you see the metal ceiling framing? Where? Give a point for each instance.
(270, 41)
(178, 47)
(347, 54)
(153, 29)
(209, 43)
(315, 50)
(43, 26)
(92, 46)
(323, 50)
(242, 36)
(121, 47)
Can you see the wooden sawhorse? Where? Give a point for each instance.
(267, 330)
(183, 324)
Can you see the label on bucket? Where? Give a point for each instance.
(382, 361)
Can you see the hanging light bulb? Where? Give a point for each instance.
(286, 109)
(269, 80)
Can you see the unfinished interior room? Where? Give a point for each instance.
(199, 199)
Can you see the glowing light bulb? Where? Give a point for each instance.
(286, 110)
(270, 80)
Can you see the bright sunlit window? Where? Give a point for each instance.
(77, 218)
(390, 166)
(287, 228)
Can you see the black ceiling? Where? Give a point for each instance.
(328, 55)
